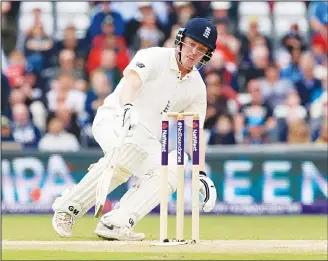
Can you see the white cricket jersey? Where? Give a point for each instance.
(162, 89)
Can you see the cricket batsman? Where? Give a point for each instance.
(157, 80)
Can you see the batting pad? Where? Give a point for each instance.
(145, 196)
(78, 200)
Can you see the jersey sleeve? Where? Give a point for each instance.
(199, 106)
(144, 63)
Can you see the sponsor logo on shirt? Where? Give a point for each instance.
(166, 109)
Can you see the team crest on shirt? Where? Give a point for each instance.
(140, 65)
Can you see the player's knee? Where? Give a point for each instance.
(131, 157)
(155, 174)
(121, 175)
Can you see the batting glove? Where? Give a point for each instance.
(128, 116)
(208, 191)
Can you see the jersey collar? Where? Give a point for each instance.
(174, 65)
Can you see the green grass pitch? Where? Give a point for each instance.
(230, 238)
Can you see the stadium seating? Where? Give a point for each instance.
(260, 10)
(264, 24)
(287, 13)
(254, 8)
(76, 13)
(27, 7)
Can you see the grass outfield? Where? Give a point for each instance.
(241, 229)
(66, 255)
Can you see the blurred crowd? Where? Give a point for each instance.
(260, 88)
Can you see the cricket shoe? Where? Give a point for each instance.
(62, 224)
(121, 233)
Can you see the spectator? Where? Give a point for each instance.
(184, 11)
(5, 94)
(98, 18)
(146, 12)
(259, 62)
(227, 71)
(320, 48)
(281, 58)
(37, 46)
(108, 65)
(210, 116)
(100, 89)
(293, 39)
(15, 69)
(4, 62)
(63, 93)
(298, 131)
(6, 132)
(222, 96)
(323, 136)
(227, 43)
(252, 38)
(201, 8)
(5, 8)
(148, 34)
(318, 17)
(317, 109)
(71, 42)
(24, 131)
(220, 10)
(17, 96)
(36, 12)
(309, 88)
(293, 72)
(169, 43)
(110, 42)
(66, 63)
(58, 139)
(291, 107)
(130, 10)
(25, 79)
(34, 97)
(274, 89)
(223, 132)
(255, 135)
(255, 119)
(319, 118)
(33, 86)
(108, 29)
(68, 118)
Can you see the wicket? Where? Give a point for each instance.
(180, 170)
